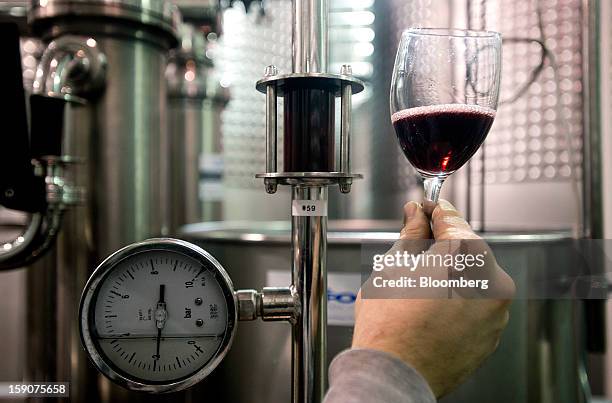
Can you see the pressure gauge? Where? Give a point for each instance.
(158, 316)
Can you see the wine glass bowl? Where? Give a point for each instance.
(443, 100)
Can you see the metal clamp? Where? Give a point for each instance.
(274, 86)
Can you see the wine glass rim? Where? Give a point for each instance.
(452, 32)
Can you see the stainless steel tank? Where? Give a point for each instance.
(195, 102)
(120, 143)
(538, 360)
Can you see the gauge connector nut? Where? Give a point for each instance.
(248, 301)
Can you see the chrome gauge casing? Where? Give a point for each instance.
(158, 316)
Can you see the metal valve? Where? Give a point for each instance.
(271, 304)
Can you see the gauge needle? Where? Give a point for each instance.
(160, 319)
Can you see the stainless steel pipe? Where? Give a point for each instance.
(271, 131)
(592, 208)
(345, 122)
(309, 168)
(309, 277)
(310, 36)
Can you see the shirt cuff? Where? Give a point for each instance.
(364, 375)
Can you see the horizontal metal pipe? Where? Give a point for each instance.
(271, 304)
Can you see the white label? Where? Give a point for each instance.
(309, 208)
(342, 291)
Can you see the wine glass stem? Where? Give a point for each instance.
(432, 187)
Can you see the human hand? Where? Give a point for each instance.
(445, 340)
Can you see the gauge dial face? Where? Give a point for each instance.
(159, 316)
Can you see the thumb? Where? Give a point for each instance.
(416, 223)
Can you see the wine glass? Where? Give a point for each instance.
(444, 95)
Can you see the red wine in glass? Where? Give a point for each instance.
(439, 139)
(443, 98)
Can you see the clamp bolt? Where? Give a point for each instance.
(346, 70)
(270, 71)
(271, 185)
(345, 187)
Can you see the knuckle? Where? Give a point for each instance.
(440, 213)
(415, 229)
(506, 319)
(410, 232)
(453, 227)
(502, 321)
(502, 304)
(508, 284)
(495, 344)
(408, 204)
(437, 214)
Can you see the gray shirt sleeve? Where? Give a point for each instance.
(371, 376)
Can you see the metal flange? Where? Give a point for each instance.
(335, 82)
(343, 179)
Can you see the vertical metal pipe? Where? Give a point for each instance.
(309, 232)
(310, 36)
(271, 164)
(591, 181)
(592, 200)
(309, 276)
(345, 122)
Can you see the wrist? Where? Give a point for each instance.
(379, 370)
(410, 360)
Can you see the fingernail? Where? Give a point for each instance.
(446, 205)
(411, 209)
